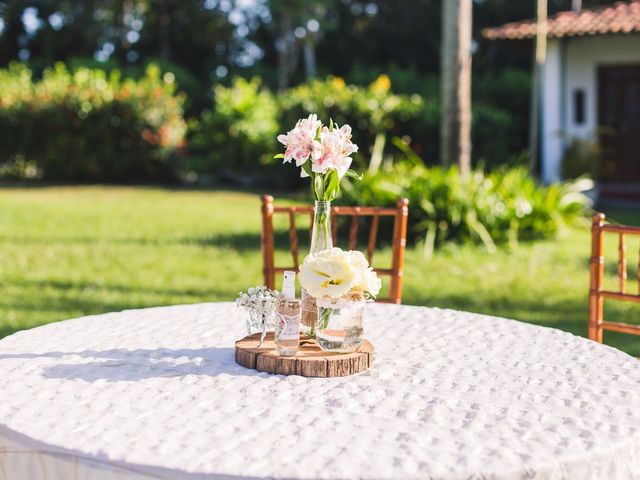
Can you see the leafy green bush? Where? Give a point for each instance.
(500, 112)
(582, 157)
(88, 125)
(500, 117)
(239, 133)
(505, 205)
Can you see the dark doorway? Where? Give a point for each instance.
(619, 121)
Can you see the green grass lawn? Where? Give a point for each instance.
(72, 251)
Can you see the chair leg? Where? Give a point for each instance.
(268, 242)
(596, 270)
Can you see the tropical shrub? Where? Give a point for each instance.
(88, 125)
(582, 157)
(500, 112)
(239, 133)
(503, 206)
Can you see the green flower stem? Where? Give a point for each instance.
(323, 318)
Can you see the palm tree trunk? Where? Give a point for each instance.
(283, 47)
(310, 63)
(455, 126)
(536, 84)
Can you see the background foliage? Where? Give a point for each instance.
(503, 206)
(290, 44)
(87, 125)
(72, 251)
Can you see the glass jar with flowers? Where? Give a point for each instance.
(342, 282)
(323, 153)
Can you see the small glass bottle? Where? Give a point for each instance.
(287, 331)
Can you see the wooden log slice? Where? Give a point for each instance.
(311, 360)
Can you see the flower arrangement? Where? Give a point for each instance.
(260, 302)
(341, 281)
(322, 153)
(337, 274)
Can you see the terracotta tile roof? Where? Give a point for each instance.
(622, 17)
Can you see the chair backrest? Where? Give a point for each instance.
(597, 293)
(399, 213)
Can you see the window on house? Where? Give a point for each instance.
(578, 106)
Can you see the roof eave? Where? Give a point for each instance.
(491, 34)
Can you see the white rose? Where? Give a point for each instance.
(357, 259)
(327, 274)
(368, 280)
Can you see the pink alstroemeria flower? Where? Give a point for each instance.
(299, 141)
(333, 151)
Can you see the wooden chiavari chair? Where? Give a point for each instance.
(399, 214)
(597, 294)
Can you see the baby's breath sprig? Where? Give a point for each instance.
(260, 302)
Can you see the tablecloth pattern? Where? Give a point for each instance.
(155, 393)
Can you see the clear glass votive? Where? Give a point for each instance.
(339, 328)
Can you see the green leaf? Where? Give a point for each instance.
(410, 155)
(430, 239)
(318, 187)
(332, 182)
(279, 155)
(479, 229)
(353, 174)
(306, 166)
(331, 124)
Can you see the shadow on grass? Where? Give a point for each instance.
(243, 242)
(88, 288)
(248, 241)
(70, 300)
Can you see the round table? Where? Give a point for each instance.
(156, 393)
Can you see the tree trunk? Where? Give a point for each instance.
(536, 84)
(310, 63)
(455, 127)
(165, 31)
(283, 46)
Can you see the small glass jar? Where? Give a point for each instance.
(339, 327)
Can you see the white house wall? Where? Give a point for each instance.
(552, 145)
(573, 64)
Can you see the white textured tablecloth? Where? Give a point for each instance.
(156, 393)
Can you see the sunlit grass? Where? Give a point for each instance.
(72, 251)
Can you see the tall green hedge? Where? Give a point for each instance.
(238, 135)
(92, 125)
(87, 125)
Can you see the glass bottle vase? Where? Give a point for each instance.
(321, 239)
(339, 328)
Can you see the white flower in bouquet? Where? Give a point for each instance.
(367, 280)
(334, 273)
(328, 273)
(322, 153)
